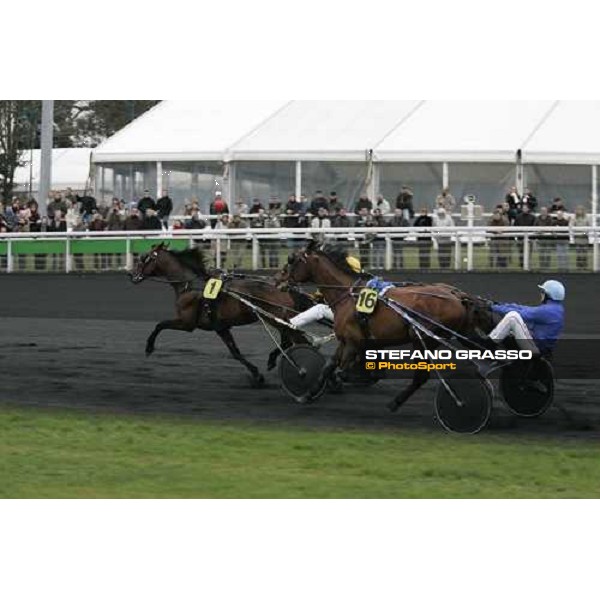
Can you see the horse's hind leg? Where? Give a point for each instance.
(418, 380)
(227, 337)
(175, 324)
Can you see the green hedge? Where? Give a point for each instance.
(80, 246)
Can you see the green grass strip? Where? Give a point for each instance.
(49, 454)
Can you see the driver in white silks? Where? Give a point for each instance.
(322, 311)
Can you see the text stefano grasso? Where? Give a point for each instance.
(499, 354)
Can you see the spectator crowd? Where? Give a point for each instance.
(69, 211)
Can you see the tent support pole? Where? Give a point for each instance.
(594, 194)
(158, 179)
(445, 175)
(298, 186)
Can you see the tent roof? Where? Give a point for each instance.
(312, 129)
(398, 131)
(571, 134)
(463, 131)
(186, 130)
(70, 168)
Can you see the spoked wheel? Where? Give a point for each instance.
(464, 405)
(300, 371)
(528, 388)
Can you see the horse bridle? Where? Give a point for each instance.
(153, 257)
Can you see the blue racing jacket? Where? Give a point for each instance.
(545, 322)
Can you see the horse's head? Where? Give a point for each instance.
(298, 268)
(150, 264)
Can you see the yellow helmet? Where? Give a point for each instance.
(354, 264)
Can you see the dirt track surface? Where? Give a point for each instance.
(78, 342)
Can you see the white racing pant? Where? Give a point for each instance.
(513, 324)
(313, 314)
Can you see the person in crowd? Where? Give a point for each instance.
(115, 221)
(164, 208)
(303, 206)
(363, 203)
(35, 226)
(221, 223)
(342, 219)
(499, 246)
(256, 207)
(178, 225)
(365, 219)
(318, 201)
(424, 241)
(56, 224)
(529, 200)
(195, 221)
(557, 204)
(103, 209)
(334, 203)
(151, 222)
(442, 220)
(378, 243)
(217, 208)
(562, 242)
(99, 224)
(133, 222)
(382, 205)
(445, 200)
(57, 203)
(237, 244)
(320, 221)
(398, 240)
(71, 196)
(509, 212)
(582, 243)
(524, 219)
(513, 199)
(404, 202)
(87, 206)
(146, 202)
(544, 240)
(241, 208)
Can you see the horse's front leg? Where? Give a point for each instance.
(257, 377)
(175, 324)
(419, 379)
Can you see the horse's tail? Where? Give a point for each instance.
(479, 318)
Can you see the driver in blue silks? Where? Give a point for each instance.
(379, 285)
(535, 328)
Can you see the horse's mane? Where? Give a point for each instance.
(191, 258)
(337, 254)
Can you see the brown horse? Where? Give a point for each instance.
(187, 273)
(326, 266)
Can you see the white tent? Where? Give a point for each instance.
(569, 135)
(186, 130)
(275, 148)
(464, 131)
(322, 130)
(70, 168)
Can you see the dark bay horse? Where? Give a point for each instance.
(326, 267)
(187, 273)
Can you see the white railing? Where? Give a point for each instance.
(461, 241)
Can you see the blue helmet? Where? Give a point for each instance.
(555, 290)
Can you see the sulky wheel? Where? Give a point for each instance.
(300, 370)
(528, 388)
(464, 405)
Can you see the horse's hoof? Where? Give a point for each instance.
(258, 381)
(393, 406)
